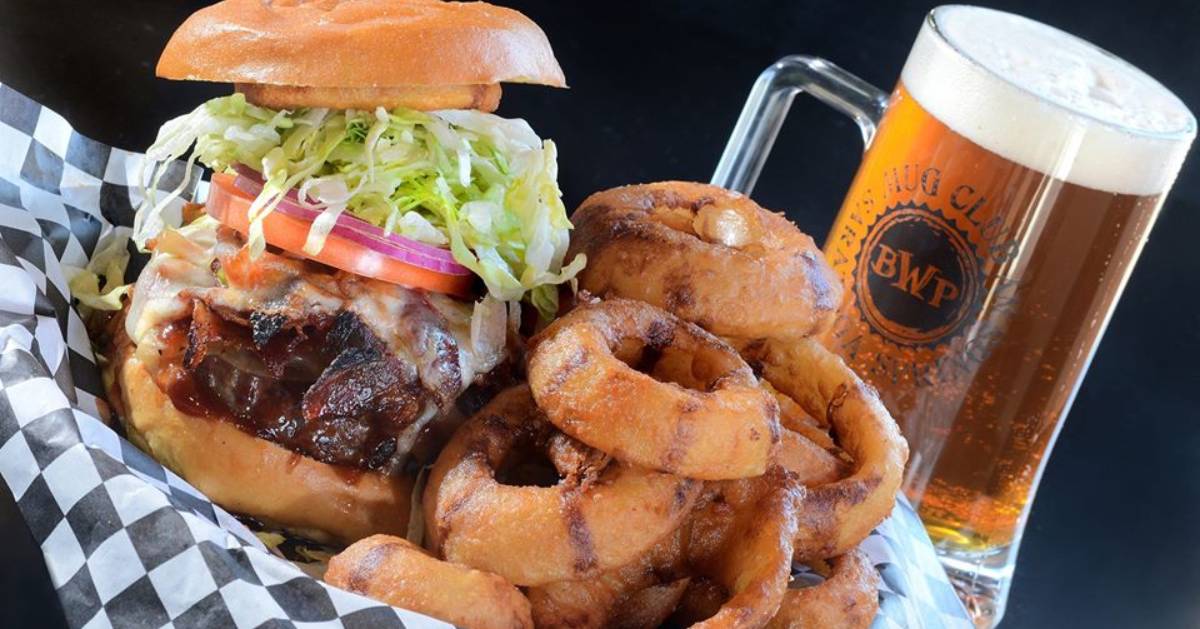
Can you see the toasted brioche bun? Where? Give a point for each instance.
(360, 43)
(256, 477)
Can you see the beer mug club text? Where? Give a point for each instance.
(920, 266)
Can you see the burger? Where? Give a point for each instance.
(350, 287)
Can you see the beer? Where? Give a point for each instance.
(970, 314)
(984, 242)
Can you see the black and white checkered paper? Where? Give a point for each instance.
(127, 542)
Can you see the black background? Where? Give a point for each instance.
(656, 87)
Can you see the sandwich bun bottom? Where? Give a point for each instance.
(258, 478)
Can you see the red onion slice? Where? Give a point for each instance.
(359, 231)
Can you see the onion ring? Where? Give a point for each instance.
(805, 447)
(605, 602)
(736, 546)
(848, 599)
(813, 465)
(383, 567)
(702, 599)
(837, 516)
(610, 599)
(601, 515)
(741, 538)
(704, 416)
(705, 254)
(650, 606)
(794, 418)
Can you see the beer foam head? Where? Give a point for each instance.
(1048, 100)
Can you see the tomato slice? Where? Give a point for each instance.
(231, 206)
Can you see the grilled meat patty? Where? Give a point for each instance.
(346, 370)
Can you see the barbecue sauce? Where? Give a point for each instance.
(341, 401)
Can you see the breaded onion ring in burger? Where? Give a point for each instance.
(488, 504)
(708, 255)
(647, 387)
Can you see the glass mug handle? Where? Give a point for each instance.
(765, 109)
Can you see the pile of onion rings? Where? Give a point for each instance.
(675, 454)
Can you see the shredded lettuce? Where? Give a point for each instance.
(483, 186)
(101, 285)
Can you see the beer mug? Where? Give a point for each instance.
(1008, 185)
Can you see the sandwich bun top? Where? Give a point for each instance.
(371, 46)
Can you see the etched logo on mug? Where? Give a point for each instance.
(920, 277)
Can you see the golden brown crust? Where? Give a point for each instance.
(849, 598)
(359, 43)
(696, 411)
(256, 477)
(395, 571)
(811, 463)
(649, 607)
(741, 538)
(613, 599)
(837, 516)
(707, 255)
(593, 520)
(419, 97)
